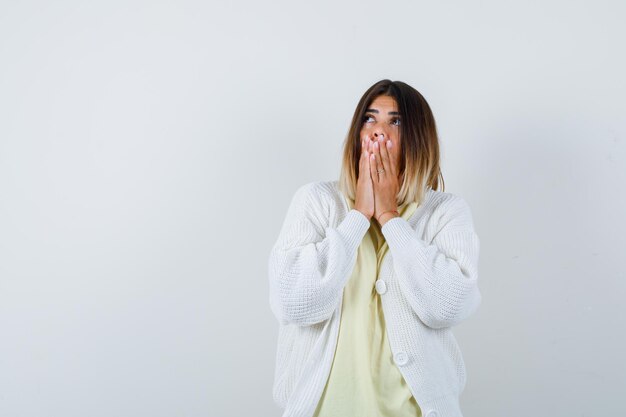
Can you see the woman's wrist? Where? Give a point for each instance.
(369, 217)
(386, 216)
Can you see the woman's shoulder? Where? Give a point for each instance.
(313, 190)
(448, 208)
(323, 197)
(323, 190)
(443, 200)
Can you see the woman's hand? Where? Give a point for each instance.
(386, 183)
(364, 200)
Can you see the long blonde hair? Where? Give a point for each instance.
(419, 144)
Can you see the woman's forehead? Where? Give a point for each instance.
(384, 101)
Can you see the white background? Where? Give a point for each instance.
(149, 150)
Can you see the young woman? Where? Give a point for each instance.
(370, 273)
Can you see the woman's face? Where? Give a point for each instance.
(382, 118)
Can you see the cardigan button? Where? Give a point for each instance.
(432, 413)
(381, 286)
(401, 358)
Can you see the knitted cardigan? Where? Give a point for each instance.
(428, 278)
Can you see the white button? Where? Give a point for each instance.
(401, 358)
(381, 286)
(432, 413)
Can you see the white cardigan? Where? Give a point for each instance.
(427, 283)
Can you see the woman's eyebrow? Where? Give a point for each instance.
(376, 111)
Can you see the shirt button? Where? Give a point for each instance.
(401, 358)
(432, 413)
(381, 286)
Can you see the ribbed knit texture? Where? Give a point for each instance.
(430, 274)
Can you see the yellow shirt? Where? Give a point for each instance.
(364, 381)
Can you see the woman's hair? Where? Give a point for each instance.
(419, 144)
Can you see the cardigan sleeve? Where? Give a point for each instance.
(311, 261)
(438, 279)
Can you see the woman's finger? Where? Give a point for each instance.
(372, 163)
(377, 160)
(382, 155)
(388, 156)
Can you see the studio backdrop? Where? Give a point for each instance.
(149, 152)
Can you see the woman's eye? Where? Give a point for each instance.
(396, 121)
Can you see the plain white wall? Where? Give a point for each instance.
(149, 150)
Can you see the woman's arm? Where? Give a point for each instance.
(439, 280)
(310, 263)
